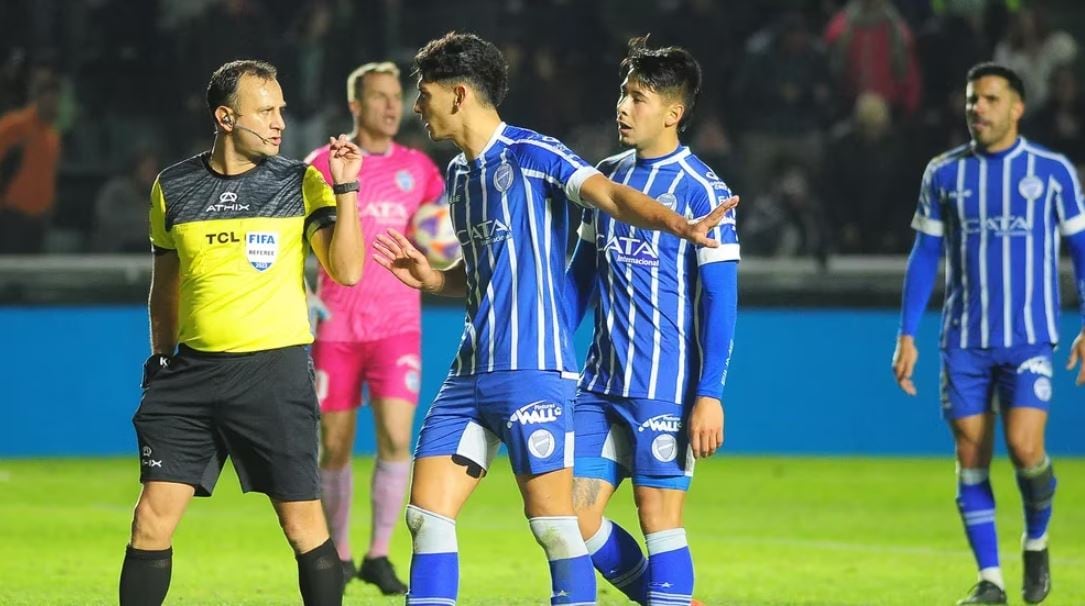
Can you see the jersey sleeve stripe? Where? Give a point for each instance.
(724, 252)
(1073, 226)
(572, 186)
(319, 218)
(927, 225)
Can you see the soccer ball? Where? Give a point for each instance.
(433, 234)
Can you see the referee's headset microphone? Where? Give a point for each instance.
(227, 119)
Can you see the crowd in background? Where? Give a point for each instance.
(821, 113)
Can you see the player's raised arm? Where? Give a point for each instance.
(395, 253)
(340, 247)
(1072, 228)
(633, 207)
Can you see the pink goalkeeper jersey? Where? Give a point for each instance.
(393, 186)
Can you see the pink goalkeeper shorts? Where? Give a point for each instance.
(389, 367)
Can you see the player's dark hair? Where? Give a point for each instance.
(465, 59)
(670, 70)
(989, 68)
(222, 89)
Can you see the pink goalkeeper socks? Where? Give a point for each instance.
(337, 486)
(388, 489)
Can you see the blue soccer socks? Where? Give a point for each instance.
(435, 564)
(617, 556)
(670, 568)
(571, 574)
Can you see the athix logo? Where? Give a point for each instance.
(391, 213)
(147, 460)
(535, 413)
(1038, 365)
(1011, 225)
(627, 249)
(227, 201)
(666, 423)
(487, 232)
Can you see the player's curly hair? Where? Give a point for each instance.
(466, 59)
(670, 70)
(222, 89)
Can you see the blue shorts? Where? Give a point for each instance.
(975, 381)
(530, 411)
(632, 437)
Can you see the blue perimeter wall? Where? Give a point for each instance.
(809, 381)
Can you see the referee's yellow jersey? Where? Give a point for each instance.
(242, 242)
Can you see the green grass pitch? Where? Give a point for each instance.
(764, 531)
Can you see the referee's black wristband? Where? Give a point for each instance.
(345, 188)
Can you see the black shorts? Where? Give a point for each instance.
(259, 408)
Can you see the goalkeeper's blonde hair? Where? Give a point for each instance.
(356, 77)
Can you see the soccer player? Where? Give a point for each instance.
(997, 207)
(230, 373)
(372, 332)
(512, 381)
(650, 399)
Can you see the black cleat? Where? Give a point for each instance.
(984, 592)
(349, 570)
(379, 572)
(1037, 583)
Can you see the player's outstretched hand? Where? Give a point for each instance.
(344, 159)
(699, 227)
(904, 359)
(395, 253)
(1077, 354)
(706, 426)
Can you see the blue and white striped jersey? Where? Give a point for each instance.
(510, 209)
(1001, 216)
(648, 333)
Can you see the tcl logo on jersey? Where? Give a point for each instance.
(1000, 226)
(386, 212)
(667, 423)
(261, 248)
(627, 249)
(222, 237)
(487, 232)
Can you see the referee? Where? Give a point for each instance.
(230, 373)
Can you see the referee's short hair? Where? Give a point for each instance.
(990, 68)
(222, 89)
(356, 79)
(670, 70)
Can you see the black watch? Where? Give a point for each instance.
(345, 188)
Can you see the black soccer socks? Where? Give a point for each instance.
(320, 576)
(145, 576)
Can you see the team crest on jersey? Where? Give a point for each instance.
(405, 180)
(503, 178)
(1042, 388)
(668, 199)
(261, 248)
(541, 443)
(665, 448)
(1031, 188)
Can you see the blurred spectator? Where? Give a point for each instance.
(951, 43)
(871, 48)
(29, 153)
(1033, 50)
(786, 220)
(866, 170)
(783, 98)
(120, 210)
(1060, 124)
